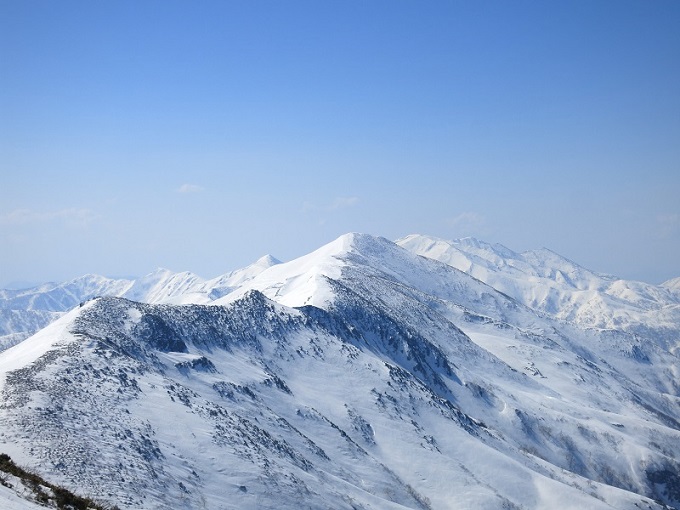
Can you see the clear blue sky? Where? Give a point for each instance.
(201, 135)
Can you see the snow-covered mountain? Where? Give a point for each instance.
(60, 297)
(24, 312)
(549, 283)
(361, 375)
(673, 284)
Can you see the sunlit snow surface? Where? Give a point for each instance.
(10, 499)
(552, 284)
(359, 376)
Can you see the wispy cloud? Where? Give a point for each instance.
(467, 220)
(70, 216)
(668, 224)
(343, 203)
(468, 223)
(189, 188)
(338, 203)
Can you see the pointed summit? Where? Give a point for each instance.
(266, 261)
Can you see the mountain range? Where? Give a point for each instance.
(24, 312)
(420, 373)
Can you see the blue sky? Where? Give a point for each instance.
(201, 135)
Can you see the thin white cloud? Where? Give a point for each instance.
(70, 216)
(668, 224)
(343, 203)
(189, 188)
(338, 203)
(467, 220)
(468, 223)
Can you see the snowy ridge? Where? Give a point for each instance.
(161, 285)
(673, 284)
(223, 285)
(61, 297)
(549, 283)
(23, 312)
(361, 375)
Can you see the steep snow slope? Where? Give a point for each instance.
(673, 284)
(241, 407)
(358, 376)
(10, 500)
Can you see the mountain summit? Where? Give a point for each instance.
(422, 374)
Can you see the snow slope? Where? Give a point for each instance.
(673, 284)
(10, 500)
(359, 376)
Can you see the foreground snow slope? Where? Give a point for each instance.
(358, 376)
(11, 500)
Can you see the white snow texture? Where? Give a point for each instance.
(368, 374)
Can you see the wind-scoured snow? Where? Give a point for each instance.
(361, 375)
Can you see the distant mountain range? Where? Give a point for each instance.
(551, 284)
(420, 373)
(23, 312)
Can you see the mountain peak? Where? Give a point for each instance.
(317, 377)
(266, 261)
(470, 241)
(464, 243)
(673, 283)
(159, 271)
(347, 242)
(365, 244)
